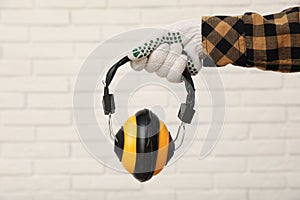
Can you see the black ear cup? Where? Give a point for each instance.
(144, 145)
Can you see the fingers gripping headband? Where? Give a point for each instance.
(186, 111)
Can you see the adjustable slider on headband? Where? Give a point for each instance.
(186, 113)
(108, 103)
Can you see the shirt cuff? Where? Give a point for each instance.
(223, 41)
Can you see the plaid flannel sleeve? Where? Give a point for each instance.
(269, 42)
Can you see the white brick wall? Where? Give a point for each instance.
(43, 43)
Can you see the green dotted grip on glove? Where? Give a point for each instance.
(170, 38)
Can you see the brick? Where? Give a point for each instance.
(37, 50)
(258, 181)
(16, 4)
(78, 151)
(293, 113)
(36, 117)
(267, 164)
(293, 180)
(105, 182)
(255, 114)
(14, 67)
(141, 3)
(13, 34)
(86, 33)
(271, 130)
(270, 97)
(242, 148)
(59, 133)
(96, 3)
(292, 162)
(86, 117)
(229, 131)
(35, 183)
(293, 146)
(158, 16)
(197, 150)
(274, 163)
(265, 10)
(16, 196)
(259, 131)
(15, 167)
(212, 194)
(291, 130)
(180, 181)
(291, 81)
(274, 194)
(13, 134)
(231, 99)
(108, 31)
(69, 195)
(35, 150)
(33, 84)
(71, 3)
(112, 16)
(11, 100)
(61, 3)
(83, 87)
(147, 195)
(46, 17)
(235, 131)
(252, 81)
(56, 67)
(193, 165)
(279, 2)
(214, 3)
(79, 85)
(49, 100)
(87, 103)
(68, 166)
(106, 52)
(201, 130)
(83, 50)
(231, 11)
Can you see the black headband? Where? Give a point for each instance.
(186, 111)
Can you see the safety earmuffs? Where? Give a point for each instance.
(143, 144)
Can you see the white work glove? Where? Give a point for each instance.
(172, 50)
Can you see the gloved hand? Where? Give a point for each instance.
(171, 51)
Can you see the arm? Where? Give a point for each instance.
(269, 42)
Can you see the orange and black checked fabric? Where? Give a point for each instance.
(269, 42)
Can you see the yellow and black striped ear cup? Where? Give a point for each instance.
(144, 145)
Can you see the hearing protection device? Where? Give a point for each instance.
(143, 144)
